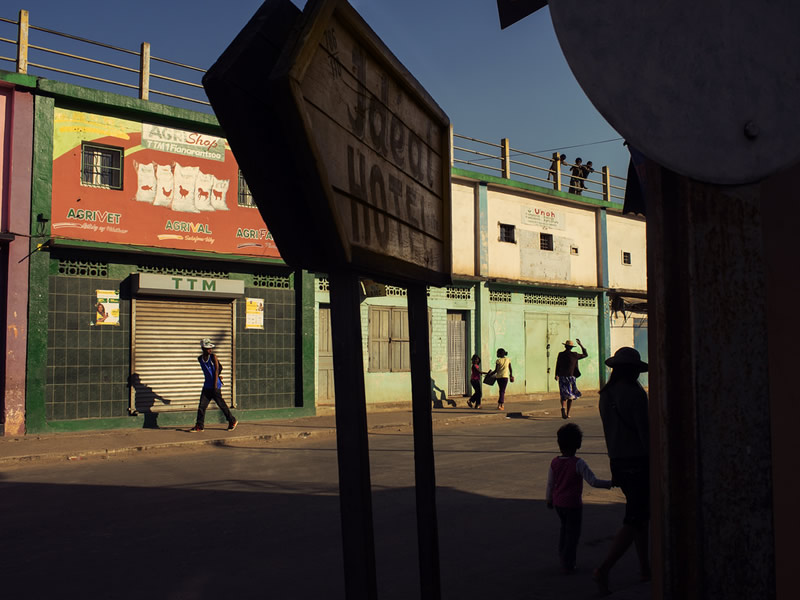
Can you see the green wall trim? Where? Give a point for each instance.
(482, 177)
(238, 258)
(38, 297)
(126, 105)
(186, 418)
(18, 78)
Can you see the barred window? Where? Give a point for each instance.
(245, 197)
(546, 241)
(626, 258)
(101, 166)
(508, 233)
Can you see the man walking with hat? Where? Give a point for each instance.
(212, 387)
(567, 372)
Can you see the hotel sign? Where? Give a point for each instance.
(369, 147)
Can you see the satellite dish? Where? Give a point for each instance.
(708, 89)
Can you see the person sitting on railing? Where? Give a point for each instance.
(576, 181)
(552, 174)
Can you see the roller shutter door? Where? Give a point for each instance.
(165, 374)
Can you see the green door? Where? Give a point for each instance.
(557, 334)
(535, 353)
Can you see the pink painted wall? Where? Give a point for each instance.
(17, 147)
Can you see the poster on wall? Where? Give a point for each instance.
(127, 182)
(254, 313)
(107, 307)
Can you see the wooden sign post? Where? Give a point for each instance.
(348, 159)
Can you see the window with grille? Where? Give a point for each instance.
(101, 166)
(388, 340)
(546, 241)
(508, 233)
(497, 296)
(245, 197)
(626, 258)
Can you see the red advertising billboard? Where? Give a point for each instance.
(127, 182)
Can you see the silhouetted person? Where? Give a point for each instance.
(567, 372)
(623, 409)
(565, 492)
(585, 172)
(476, 382)
(576, 180)
(553, 164)
(212, 388)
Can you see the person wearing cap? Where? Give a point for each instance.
(623, 410)
(567, 372)
(212, 387)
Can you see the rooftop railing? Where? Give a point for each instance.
(180, 84)
(119, 68)
(501, 160)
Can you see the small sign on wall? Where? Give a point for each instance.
(543, 217)
(107, 307)
(254, 313)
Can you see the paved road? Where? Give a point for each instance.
(261, 520)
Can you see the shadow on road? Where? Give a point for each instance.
(261, 539)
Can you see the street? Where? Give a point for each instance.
(261, 519)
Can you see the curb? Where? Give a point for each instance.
(105, 453)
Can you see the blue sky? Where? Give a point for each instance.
(513, 83)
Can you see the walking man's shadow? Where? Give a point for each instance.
(144, 400)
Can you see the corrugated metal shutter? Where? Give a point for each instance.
(456, 355)
(165, 374)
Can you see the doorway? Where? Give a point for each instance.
(544, 334)
(457, 353)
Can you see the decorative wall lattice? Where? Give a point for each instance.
(459, 293)
(323, 285)
(79, 268)
(164, 270)
(546, 299)
(392, 290)
(496, 296)
(272, 281)
(587, 301)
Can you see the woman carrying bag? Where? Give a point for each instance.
(501, 373)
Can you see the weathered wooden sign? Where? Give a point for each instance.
(363, 150)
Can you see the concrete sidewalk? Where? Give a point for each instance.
(18, 451)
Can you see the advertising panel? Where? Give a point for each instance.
(126, 182)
